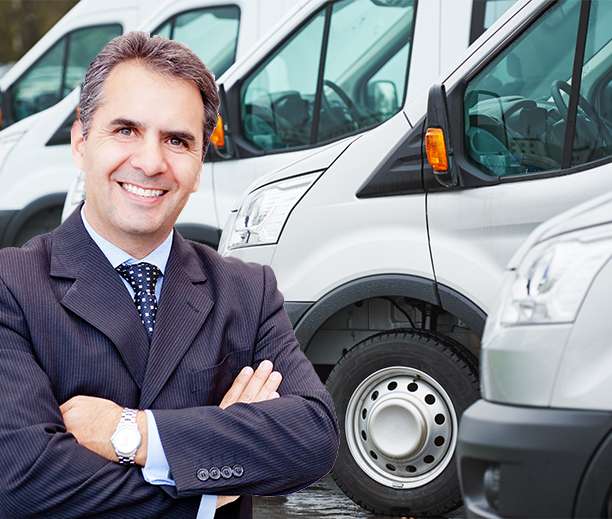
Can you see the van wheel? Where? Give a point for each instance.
(40, 223)
(398, 398)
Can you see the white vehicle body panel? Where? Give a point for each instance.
(565, 365)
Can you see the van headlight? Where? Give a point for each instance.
(263, 212)
(553, 278)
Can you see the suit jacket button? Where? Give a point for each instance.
(237, 470)
(214, 473)
(226, 472)
(202, 474)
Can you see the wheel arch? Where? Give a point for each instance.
(308, 318)
(596, 484)
(23, 216)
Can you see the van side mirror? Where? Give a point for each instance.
(382, 98)
(437, 140)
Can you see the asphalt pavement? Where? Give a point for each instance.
(323, 499)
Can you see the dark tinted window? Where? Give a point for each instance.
(286, 104)
(59, 70)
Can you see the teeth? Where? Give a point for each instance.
(149, 193)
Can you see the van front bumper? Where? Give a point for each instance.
(528, 462)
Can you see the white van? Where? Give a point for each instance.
(332, 69)
(389, 268)
(35, 162)
(540, 442)
(55, 65)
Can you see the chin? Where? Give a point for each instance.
(139, 226)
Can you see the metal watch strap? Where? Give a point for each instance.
(128, 417)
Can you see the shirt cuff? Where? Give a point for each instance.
(208, 506)
(156, 470)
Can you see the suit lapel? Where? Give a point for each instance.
(98, 295)
(184, 305)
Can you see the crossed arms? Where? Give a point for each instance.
(284, 443)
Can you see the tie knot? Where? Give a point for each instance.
(141, 276)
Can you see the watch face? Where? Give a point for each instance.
(126, 440)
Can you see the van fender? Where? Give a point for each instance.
(22, 216)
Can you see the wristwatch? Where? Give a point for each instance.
(126, 438)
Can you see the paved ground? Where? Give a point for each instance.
(323, 499)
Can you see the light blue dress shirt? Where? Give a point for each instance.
(156, 470)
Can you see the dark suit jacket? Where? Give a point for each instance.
(68, 326)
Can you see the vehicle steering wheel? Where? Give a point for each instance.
(593, 125)
(352, 114)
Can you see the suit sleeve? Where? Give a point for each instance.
(279, 446)
(45, 472)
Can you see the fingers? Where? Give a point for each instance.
(253, 386)
(257, 381)
(234, 392)
(269, 388)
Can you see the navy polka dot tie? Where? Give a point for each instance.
(142, 278)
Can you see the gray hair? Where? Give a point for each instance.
(165, 56)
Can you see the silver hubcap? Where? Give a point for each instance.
(401, 427)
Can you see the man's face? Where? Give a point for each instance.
(142, 155)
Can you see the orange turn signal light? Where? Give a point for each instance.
(435, 149)
(217, 137)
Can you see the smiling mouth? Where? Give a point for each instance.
(145, 193)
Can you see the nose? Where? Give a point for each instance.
(149, 157)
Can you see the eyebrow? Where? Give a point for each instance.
(129, 123)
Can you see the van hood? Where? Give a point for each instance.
(320, 159)
(597, 211)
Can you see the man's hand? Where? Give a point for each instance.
(251, 387)
(93, 421)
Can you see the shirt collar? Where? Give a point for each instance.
(116, 256)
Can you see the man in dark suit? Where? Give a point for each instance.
(123, 386)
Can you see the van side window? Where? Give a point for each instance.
(40, 86)
(516, 109)
(212, 33)
(512, 123)
(59, 70)
(83, 47)
(277, 101)
(365, 66)
(344, 71)
(593, 136)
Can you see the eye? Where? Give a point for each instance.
(176, 141)
(126, 132)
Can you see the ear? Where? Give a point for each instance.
(77, 143)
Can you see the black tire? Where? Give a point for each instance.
(42, 222)
(453, 367)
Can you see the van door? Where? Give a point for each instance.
(341, 72)
(531, 131)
